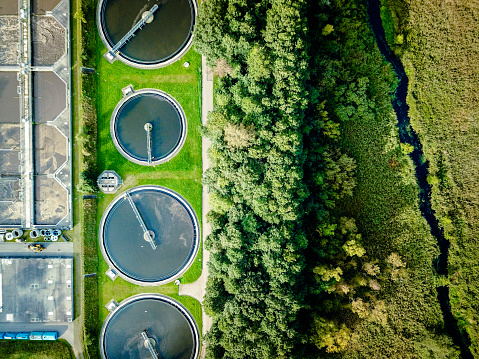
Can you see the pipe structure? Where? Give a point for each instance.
(148, 128)
(146, 232)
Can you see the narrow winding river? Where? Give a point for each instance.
(407, 135)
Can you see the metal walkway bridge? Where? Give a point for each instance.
(111, 54)
(153, 351)
(148, 129)
(146, 233)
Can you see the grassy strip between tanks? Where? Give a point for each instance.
(90, 284)
(84, 233)
(181, 174)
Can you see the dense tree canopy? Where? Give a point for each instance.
(256, 181)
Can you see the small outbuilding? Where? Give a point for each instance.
(109, 181)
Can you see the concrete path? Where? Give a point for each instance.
(52, 249)
(197, 289)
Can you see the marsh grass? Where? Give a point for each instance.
(441, 56)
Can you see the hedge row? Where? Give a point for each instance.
(90, 283)
(87, 139)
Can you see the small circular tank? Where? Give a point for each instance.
(148, 127)
(17, 233)
(149, 322)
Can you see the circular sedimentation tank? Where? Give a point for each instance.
(165, 37)
(149, 235)
(167, 325)
(148, 120)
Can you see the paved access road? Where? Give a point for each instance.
(52, 249)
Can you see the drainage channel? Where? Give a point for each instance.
(407, 135)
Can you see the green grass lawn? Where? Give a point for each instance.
(184, 84)
(181, 174)
(121, 289)
(59, 349)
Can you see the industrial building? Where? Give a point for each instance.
(36, 290)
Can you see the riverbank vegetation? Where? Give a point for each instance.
(440, 53)
(318, 247)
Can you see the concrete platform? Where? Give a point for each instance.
(52, 249)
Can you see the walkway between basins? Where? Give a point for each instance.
(198, 288)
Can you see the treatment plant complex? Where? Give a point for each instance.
(36, 280)
(149, 235)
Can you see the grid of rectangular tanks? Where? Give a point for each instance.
(35, 116)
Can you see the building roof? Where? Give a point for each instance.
(109, 181)
(36, 290)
